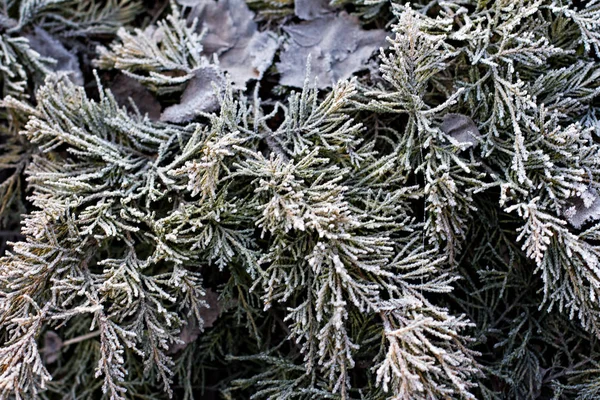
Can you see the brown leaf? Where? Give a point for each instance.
(48, 46)
(191, 330)
(124, 87)
(461, 128)
(210, 315)
(52, 347)
(337, 46)
(199, 96)
(232, 34)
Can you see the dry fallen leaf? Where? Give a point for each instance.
(223, 23)
(199, 96)
(48, 46)
(249, 59)
(232, 34)
(52, 347)
(124, 87)
(461, 128)
(311, 9)
(210, 315)
(191, 330)
(337, 46)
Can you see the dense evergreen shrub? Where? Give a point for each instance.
(272, 200)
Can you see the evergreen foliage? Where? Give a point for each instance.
(427, 229)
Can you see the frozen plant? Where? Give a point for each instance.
(311, 211)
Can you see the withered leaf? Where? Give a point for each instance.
(191, 330)
(124, 87)
(461, 128)
(250, 59)
(210, 315)
(311, 9)
(52, 346)
(224, 23)
(199, 96)
(232, 34)
(337, 46)
(48, 46)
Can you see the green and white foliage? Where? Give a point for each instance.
(63, 19)
(425, 230)
(526, 352)
(542, 154)
(137, 297)
(516, 69)
(69, 18)
(32, 34)
(19, 66)
(129, 212)
(535, 145)
(418, 55)
(163, 57)
(19, 61)
(343, 240)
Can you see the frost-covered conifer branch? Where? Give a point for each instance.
(160, 56)
(427, 229)
(74, 18)
(14, 158)
(90, 18)
(417, 56)
(18, 62)
(307, 205)
(546, 157)
(129, 297)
